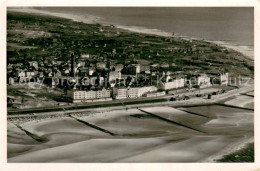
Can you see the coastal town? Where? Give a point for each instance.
(96, 92)
(107, 65)
(86, 84)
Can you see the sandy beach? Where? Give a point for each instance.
(138, 136)
(242, 101)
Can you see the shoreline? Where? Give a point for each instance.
(90, 19)
(228, 150)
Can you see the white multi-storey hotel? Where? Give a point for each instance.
(132, 92)
(103, 93)
(120, 93)
(79, 96)
(90, 94)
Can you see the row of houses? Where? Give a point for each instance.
(104, 94)
(201, 81)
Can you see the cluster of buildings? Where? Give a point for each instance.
(104, 80)
(161, 89)
(89, 96)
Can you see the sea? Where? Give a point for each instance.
(232, 27)
(229, 24)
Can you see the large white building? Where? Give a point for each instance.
(119, 93)
(203, 81)
(144, 90)
(79, 96)
(103, 93)
(90, 94)
(176, 83)
(113, 75)
(224, 79)
(132, 92)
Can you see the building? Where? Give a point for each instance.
(85, 56)
(220, 79)
(10, 80)
(145, 68)
(30, 74)
(150, 95)
(119, 93)
(133, 92)
(144, 90)
(203, 81)
(156, 94)
(34, 64)
(113, 75)
(81, 64)
(117, 67)
(21, 73)
(137, 67)
(57, 74)
(162, 93)
(76, 95)
(90, 94)
(103, 94)
(224, 79)
(132, 69)
(101, 65)
(72, 65)
(91, 71)
(176, 83)
(165, 65)
(84, 96)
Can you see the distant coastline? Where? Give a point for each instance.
(247, 51)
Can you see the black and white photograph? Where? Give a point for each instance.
(143, 84)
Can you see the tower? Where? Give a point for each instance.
(172, 36)
(72, 69)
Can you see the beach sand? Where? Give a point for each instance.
(138, 136)
(242, 101)
(61, 125)
(191, 150)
